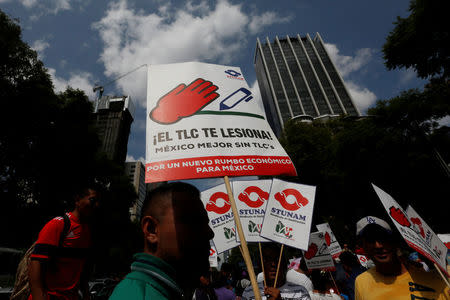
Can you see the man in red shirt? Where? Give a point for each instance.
(58, 270)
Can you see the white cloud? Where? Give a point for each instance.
(348, 64)
(40, 46)
(200, 32)
(254, 88)
(268, 18)
(407, 75)
(28, 3)
(78, 80)
(44, 7)
(130, 158)
(140, 125)
(362, 96)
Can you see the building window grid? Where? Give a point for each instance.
(312, 81)
(324, 80)
(288, 59)
(310, 56)
(306, 95)
(266, 68)
(338, 82)
(290, 88)
(332, 76)
(287, 115)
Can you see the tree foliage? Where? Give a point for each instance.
(421, 40)
(48, 145)
(342, 157)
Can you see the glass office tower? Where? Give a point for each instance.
(298, 80)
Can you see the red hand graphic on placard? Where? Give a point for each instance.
(398, 215)
(212, 206)
(184, 101)
(312, 250)
(447, 245)
(299, 199)
(245, 196)
(417, 222)
(327, 238)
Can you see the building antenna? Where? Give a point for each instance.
(101, 88)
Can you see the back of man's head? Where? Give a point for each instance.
(176, 229)
(159, 199)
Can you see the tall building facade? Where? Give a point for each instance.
(298, 80)
(135, 171)
(113, 118)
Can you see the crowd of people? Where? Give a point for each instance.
(174, 263)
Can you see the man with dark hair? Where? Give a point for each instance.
(176, 235)
(283, 289)
(352, 267)
(59, 263)
(392, 277)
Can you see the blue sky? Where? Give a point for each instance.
(83, 42)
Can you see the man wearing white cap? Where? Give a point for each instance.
(392, 277)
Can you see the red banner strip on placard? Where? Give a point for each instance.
(218, 166)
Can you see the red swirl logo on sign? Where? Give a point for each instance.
(300, 201)
(212, 203)
(245, 196)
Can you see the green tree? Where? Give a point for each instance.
(421, 40)
(342, 157)
(48, 144)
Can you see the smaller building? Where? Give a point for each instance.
(113, 118)
(135, 171)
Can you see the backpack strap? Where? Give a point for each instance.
(65, 230)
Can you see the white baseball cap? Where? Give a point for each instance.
(362, 224)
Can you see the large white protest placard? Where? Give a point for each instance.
(203, 121)
(289, 213)
(431, 239)
(332, 243)
(318, 256)
(404, 225)
(221, 219)
(251, 201)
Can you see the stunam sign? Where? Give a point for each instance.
(221, 219)
(251, 201)
(289, 214)
(203, 121)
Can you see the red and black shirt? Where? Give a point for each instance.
(64, 264)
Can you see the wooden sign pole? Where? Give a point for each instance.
(245, 252)
(442, 275)
(334, 282)
(262, 264)
(278, 266)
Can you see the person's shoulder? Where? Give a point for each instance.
(367, 275)
(420, 275)
(133, 288)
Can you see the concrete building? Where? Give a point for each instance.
(135, 171)
(298, 80)
(113, 118)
